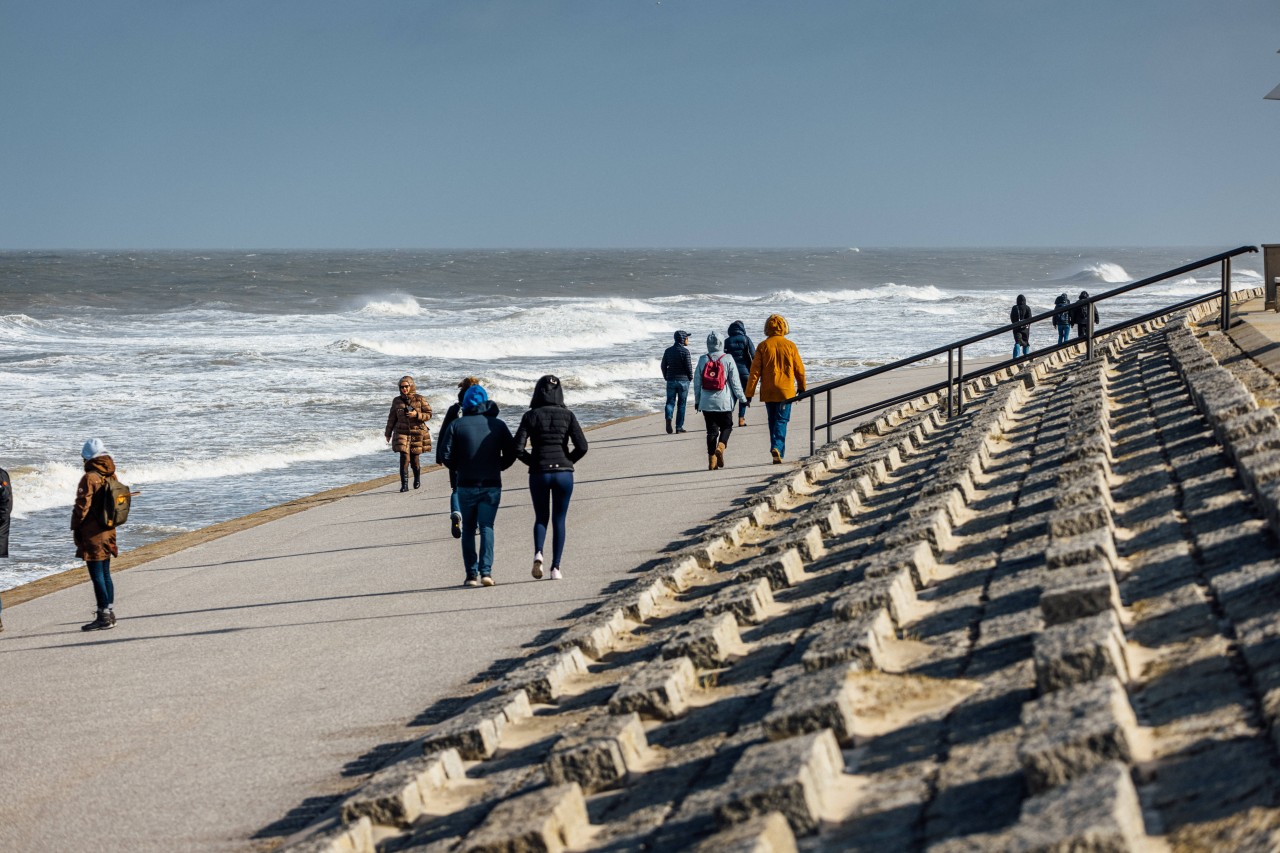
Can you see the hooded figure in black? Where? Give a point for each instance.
(1021, 335)
(6, 511)
(1080, 316)
(743, 351)
(551, 428)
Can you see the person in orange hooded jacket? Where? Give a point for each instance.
(780, 373)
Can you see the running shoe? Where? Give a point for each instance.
(455, 524)
(537, 566)
(555, 573)
(486, 581)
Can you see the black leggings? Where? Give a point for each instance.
(719, 426)
(550, 491)
(407, 461)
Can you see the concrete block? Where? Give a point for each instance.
(600, 753)
(860, 641)
(709, 642)
(659, 690)
(895, 592)
(1070, 732)
(811, 703)
(933, 528)
(916, 557)
(1081, 517)
(1083, 485)
(1097, 813)
(766, 833)
(677, 574)
(748, 601)
(781, 569)
(1094, 546)
(946, 499)
(1080, 651)
(1079, 591)
(805, 538)
(1261, 428)
(543, 677)
(1259, 470)
(399, 794)
(475, 732)
(547, 820)
(789, 776)
(356, 837)
(641, 600)
(595, 634)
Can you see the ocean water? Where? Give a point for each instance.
(227, 382)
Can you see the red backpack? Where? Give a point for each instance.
(713, 375)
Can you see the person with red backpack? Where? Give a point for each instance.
(717, 390)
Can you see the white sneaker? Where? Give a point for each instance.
(555, 574)
(537, 565)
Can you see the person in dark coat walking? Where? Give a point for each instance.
(1062, 317)
(677, 369)
(743, 351)
(1022, 334)
(95, 542)
(478, 446)
(6, 512)
(551, 427)
(1080, 316)
(450, 415)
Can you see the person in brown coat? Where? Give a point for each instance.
(407, 422)
(95, 542)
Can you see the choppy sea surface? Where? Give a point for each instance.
(227, 382)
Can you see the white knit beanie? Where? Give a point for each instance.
(93, 448)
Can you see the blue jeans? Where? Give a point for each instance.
(1064, 333)
(104, 591)
(742, 407)
(479, 507)
(677, 394)
(551, 492)
(1024, 349)
(779, 414)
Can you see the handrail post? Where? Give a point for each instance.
(813, 420)
(959, 380)
(1225, 322)
(951, 379)
(828, 417)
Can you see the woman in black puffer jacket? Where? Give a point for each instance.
(551, 427)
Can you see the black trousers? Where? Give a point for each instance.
(719, 426)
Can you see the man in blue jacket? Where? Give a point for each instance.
(677, 369)
(478, 447)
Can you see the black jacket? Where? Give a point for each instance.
(677, 363)
(1080, 313)
(551, 426)
(478, 446)
(450, 416)
(741, 348)
(6, 511)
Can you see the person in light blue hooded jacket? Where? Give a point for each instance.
(717, 390)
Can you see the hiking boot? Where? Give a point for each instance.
(777, 456)
(455, 524)
(486, 581)
(417, 480)
(404, 482)
(101, 622)
(742, 421)
(537, 566)
(471, 582)
(111, 616)
(712, 462)
(720, 454)
(669, 429)
(555, 573)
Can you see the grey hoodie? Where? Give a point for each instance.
(728, 397)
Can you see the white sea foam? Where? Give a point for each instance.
(395, 305)
(1095, 271)
(889, 292)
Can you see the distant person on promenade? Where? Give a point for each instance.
(1080, 316)
(407, 423)
(677, 369)
(743, 351)
(780, 372)
(551, 427)
(95, 542)
(478, 447)
(1022, 334)
(1062, 317)
(450, 415)
(6, 512)
(715, 392)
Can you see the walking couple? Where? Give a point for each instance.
(477, 446)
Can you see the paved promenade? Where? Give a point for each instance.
(252, 677)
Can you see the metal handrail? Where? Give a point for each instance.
(956, 376)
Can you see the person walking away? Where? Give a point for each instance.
(1021, 335)
(450, 415)
(677, 369)
(743, 351)
(407, 423)
(715, 394)
(1080, 316)
(780, 372)
(551, 427)
(478, 446)
(1062, 317)
(6, 512)
(95, 542)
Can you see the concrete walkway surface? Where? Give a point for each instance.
(252, 677)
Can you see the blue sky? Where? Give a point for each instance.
(621, 123)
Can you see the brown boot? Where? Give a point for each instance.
(712, 461)
(720, 454)
(742, 421)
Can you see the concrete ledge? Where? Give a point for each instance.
(475, 732)
(1076, 592)
(1097, 813)
(709, 642)
(596, 634)
(860, 641)
(398, 795)
(895, 592)
(782, 569)
(788, 776)
(748, 601)
(1080, 651)
(543, 677)
(1092, 547)
(599, 754)
(811, 703)
(549, 819)
(659, 690)
(767, 833)
(1071, 732)
(916, 557)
